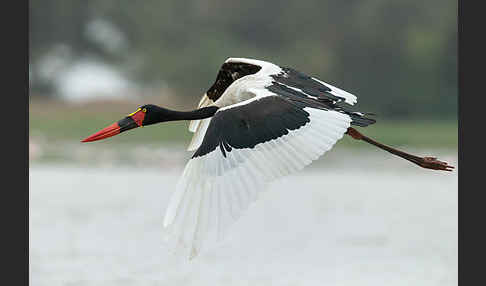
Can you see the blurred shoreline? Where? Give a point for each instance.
(56, 128)
(173, 156)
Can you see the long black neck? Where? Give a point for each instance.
(201, 113)
(163, 114)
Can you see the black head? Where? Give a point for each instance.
(145, 115)
(153, 114)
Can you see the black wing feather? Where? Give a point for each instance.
(312, 93)
(227, 74)
(247, 125)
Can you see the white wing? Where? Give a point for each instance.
(245, 147)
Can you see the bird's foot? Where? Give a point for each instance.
(433, 163)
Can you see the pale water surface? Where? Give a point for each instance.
(323, 226)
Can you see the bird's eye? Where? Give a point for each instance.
(144, 110)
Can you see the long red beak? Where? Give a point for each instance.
(134, 120)
(106, 132)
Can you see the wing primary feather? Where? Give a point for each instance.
(241, 174)
(253, 166)
(202, 218)
(293, 150)
(231, 200)
(270, 170)
(290, 163)
(237, 183)
(274, 158)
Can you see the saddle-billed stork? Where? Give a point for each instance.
(256, 123)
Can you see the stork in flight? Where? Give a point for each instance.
(256, 123)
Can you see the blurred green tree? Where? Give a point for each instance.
(400, 56)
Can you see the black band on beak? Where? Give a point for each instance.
(127, 123)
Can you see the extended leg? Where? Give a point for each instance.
(424, 162)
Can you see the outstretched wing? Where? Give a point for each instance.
(246, 146)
